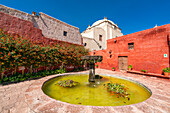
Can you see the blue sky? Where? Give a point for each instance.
(130, 15)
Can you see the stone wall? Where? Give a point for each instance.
(150, 46)
(47, 25)
(16, 13)
(53, 28)
(113, 32)
(100, 31)
(90, 43)
(25, 28)
(94, 43)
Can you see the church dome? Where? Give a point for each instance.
(103, 20)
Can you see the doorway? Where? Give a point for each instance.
(123, 62)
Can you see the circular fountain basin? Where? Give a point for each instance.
(95, 94)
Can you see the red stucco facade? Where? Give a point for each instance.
(149, 48)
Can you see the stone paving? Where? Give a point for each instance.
(27, 97)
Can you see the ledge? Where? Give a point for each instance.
(149, 74)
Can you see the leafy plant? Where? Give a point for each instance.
(67, 83)
(113, 67)
(118, 90)
(166, 69)
(130, 66)
(19, 77)
(61, 70)
(5, 79)
(143, 70)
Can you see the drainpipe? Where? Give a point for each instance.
(168, 42)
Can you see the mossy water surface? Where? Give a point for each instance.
(94, 94)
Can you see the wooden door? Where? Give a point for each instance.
(123, 62)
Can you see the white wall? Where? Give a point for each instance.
(106, 29)
(88, 34)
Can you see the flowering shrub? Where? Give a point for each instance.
(18, 51)
(117, 89)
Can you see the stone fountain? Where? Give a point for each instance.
(92, 60)
(99, 91)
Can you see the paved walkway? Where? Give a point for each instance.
(27, 97)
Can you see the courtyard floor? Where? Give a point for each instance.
(27, 97)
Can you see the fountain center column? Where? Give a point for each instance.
(92, 72)
(92, 60)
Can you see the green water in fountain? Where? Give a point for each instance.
(94, 94)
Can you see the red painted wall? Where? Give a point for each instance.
(148, 53)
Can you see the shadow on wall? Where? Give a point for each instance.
(100, 47)
(35, 22)
(43, 21)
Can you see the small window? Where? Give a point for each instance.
(130, 45)
(100, 37)
(65, 33)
